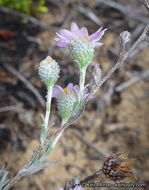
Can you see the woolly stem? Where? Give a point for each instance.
(82, 82)
(48, 106)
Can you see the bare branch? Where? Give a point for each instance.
(89, 14)
(133, 80)
(146, 4)
(128, 11)
(101, 152)
(91, 177)
(11, 108)
(27, 83)
(138, 42)
(85, 180)
(147, 39)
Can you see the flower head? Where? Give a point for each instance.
(65, 37)
(68, 104)
(58, 90)
(81, 45)
(49, 71)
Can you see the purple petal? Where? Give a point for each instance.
(67, 34)
(84, 32)
(99, 30)
(77, 88)
(105, 30)
(56, 39)
(85, 94)
(74, 27)
(69, 88)
(78, 188)
(60, 36)
(56, 91)
(60, 188)
(92, 97)
(63, 44)
(76, 34)
(98, 44)
(85, 90)
(94, 36)
(62, 40)
(97, 35)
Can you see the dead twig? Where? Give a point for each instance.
(101, 152)
(141, 76)
(128, 11)
(67, 20)
(104, 100)
(140, 48)
(85, 180)
(141, 39)
(11, 108)
(36, 40)
(137, 31)
(146, 4)
(89, 14)
(115, 127)
(27, 83)
(39, 185)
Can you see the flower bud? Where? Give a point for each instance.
(68, 104)
(125, 37)
(82, 52)
(65, 106)
(117, 167)
(49, 71)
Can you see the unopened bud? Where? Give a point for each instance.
(49, 71)
(65, 106)
(124, 37)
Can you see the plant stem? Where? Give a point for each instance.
(82, 82)
(13, 181)
(48, 106)
(57, 138)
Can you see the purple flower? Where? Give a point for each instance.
(65, 36)
(78, 187)
(57, 90)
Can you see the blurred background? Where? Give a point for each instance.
(115, 121)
